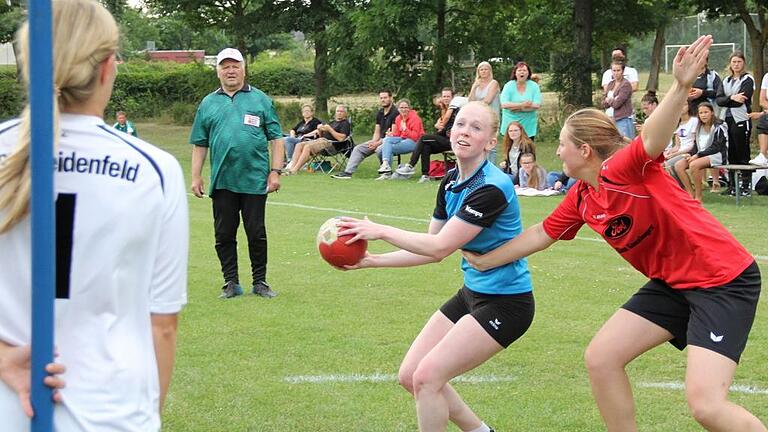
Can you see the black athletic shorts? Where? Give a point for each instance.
(505, 317)
(718, 318)
(762, 125)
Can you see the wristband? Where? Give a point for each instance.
(277, 170)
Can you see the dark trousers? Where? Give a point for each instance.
(426, 146)
(227, 207)
(738, 147)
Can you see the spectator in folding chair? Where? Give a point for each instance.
(338, 130)
(434, 143)
(304, 130)
(384, 119)
(402, 138)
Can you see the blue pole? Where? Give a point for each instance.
(42, 209)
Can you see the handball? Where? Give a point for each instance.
(333, 248)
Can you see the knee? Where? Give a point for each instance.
(405, 378)
(704, 407)
(598, 359)
(425, 377)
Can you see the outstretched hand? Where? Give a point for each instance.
(690, 61)
(15, 372)
(359, 229)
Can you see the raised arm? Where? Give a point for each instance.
(687, 65)
(530, 241)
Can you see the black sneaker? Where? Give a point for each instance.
(342, 175)
(745, 192)
(262, 289)
(231, 289)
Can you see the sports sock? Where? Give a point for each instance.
(483, 428)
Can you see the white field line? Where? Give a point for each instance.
(736, 388)
(407, 218)
(380, 377)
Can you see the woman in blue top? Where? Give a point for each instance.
(521, 100)
(476, 210)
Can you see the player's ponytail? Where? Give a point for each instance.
(84, 35)
(593, 127)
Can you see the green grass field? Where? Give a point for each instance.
(323, 355)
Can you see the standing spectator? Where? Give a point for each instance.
(704, 89)
(521, 100)
(618, 97)
(236, 122)
(304, 129)
(486, 89)
(338, 130)
(734, 96)
(122, 239)
(384, 119)
(514, 144)
(406, 130)
(124, 125)
(619, 54)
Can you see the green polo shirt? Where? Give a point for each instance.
(236, 131)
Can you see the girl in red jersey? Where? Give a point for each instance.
(695, 299)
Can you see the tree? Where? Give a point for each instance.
(244, 20)
(758, 31)
(12, 14)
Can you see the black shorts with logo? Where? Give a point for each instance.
(718, 318)
(505, 317)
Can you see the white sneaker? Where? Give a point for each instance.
(405, 170)
(385, 168)
(423, 179)
(760, 159)
(384, 176)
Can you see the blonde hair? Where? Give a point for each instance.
(593, 127)
(84, 35)
(477, 71)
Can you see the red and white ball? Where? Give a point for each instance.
(333, 248)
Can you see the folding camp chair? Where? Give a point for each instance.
(335, 157)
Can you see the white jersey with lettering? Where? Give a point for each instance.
(122, 242)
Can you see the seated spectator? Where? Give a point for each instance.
(338, 130)
(559, 181)
(443, 102)
(124, 125)
(406, 130)
(532, 175)
(712, 143)
(648, 104)
(514, 144)
(685, 140)
(430, 144)
(618, 101)
(384, 119)
(305, 129)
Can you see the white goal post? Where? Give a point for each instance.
(667, 47)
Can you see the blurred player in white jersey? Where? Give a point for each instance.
(121, 247)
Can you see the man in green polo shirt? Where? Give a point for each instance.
(236, 122)
(124, 125)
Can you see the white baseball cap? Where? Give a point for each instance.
(228, 53)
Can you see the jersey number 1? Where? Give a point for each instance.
(65, 226)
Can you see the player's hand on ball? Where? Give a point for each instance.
(365, 262)
(359, 229)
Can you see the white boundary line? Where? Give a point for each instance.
(673, 385)
(380, 377)
(762, 258)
